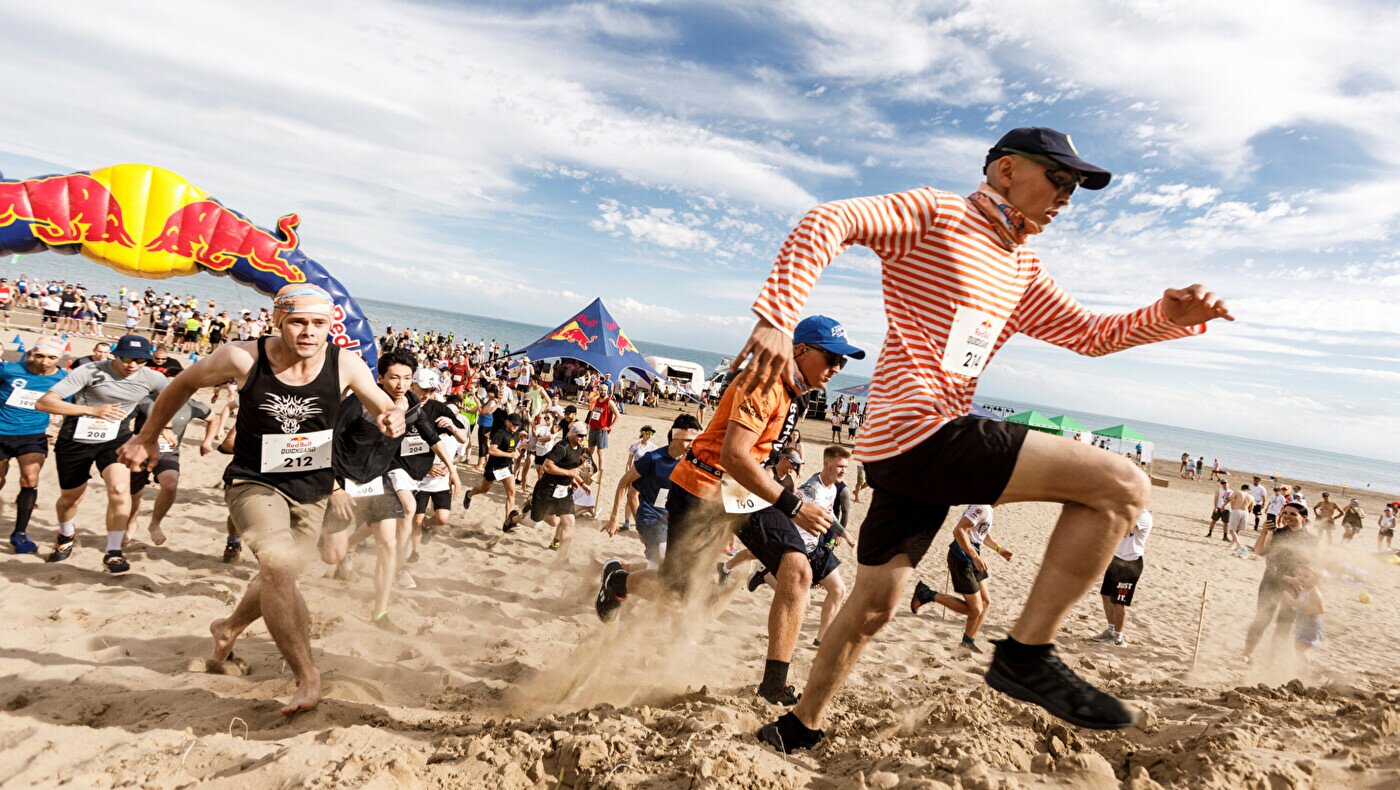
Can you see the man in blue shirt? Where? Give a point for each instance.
(22, 429)
(650, 475)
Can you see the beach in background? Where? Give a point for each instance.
(1235, 452)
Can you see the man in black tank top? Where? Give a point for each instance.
(280, 477)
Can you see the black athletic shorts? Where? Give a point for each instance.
(441, 500)
(15, 446)
(542, 505)
(967, 460)
(74, 460)
(141, 479)
(823, 561)
(966, 579)
(1120, 580)
(770, 534)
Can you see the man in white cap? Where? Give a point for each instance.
(280, 476)
(23, 429)
(94, 427)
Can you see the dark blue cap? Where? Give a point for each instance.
(132, 347)
(823, 332)
(1055, 145)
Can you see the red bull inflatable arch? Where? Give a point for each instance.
(149, 222)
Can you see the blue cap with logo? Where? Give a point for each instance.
(827, 333)
(132, 347)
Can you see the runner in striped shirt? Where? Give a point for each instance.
(958, 282)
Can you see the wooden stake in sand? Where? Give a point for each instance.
(1200, 618)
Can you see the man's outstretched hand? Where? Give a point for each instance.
(1192, 305)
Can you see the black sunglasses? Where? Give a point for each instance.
(137, 361)
(833, 359)
(1064, 179)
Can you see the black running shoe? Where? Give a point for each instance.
(1047, 682)
(607, 602)
(786, 696)
(922, 594)
(756, 580)
(232, 550)
(427, 533)
(788, 734)
(970, 646)
(62, 549)
(467, 501)
(512, 522)
(116, 563)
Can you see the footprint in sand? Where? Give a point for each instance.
(232, 666)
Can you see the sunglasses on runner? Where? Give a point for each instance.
(833, 359)
(1064, 179)
(138, 361)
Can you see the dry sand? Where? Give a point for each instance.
(507, 678)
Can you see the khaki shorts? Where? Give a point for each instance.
(272, 524)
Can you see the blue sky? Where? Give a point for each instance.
(516, 159)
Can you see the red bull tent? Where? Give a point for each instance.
(592, 337)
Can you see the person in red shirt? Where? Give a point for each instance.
(602, 414)
(460, 373)
(7, 296)
(959, 281)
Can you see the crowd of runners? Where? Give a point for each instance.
(328, 457)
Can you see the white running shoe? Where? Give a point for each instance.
(1104, 638)
(406, 581)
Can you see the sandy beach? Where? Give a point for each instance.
(507, 679)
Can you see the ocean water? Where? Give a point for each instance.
(1234, 452)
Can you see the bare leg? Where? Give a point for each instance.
(385, 562)
(878, 591)
(983, 602)
(118, 480)
(169, 485)
(131, 520)
(1117, 614)
(1103, 496)
(793, 590)
(835, 595)
(564, 530)
(289, 622)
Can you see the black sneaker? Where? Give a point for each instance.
(723, 572)
(788, 734)
(116, 563)
(922, 594)
(1047, 682)
(512, 522)
(756, 580)
(970, 646)
(412, 557)
(467, 501)
(232, 549)
(607, 602)
(427, 530)
(786, 696)
(62, 548)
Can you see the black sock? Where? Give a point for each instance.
(24, 507)
(774, 675)
(1015, 651)
(233, 539)
(617, 583)
(967, 639)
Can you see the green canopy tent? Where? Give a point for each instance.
(1035, 421)
(1068, 426)
(1126, 440)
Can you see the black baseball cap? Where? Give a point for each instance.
(1049, 143)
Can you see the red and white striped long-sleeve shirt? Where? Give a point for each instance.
(953, 295)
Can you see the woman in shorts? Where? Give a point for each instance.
(1387, 524)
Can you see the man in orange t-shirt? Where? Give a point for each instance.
(727, 465)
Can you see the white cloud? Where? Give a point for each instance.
(1170, 196)
(662, 227)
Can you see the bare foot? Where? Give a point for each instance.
(223, 640)
(157, 535)
(308, 693)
